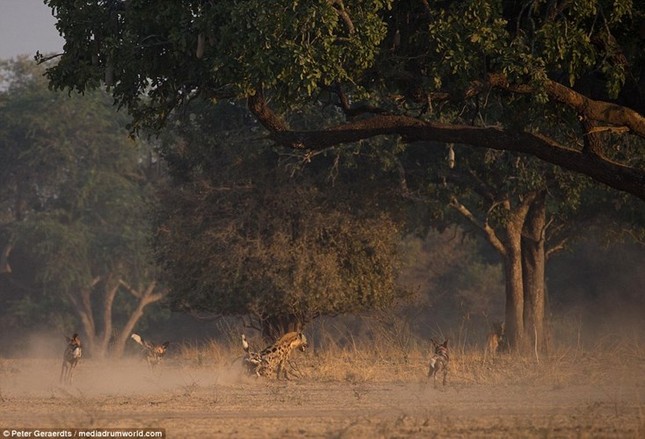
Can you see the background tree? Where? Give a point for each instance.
(424, 71)
(399, 65)
(521, 207)
(526, 209)
(75, 204)
(247, 231)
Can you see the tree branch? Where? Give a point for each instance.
(591, 109)
(410, 129)
(271, 121)
(489, 232)
(339, 6)
(146, 297)
(4, 258)
(135, 292)
(613, 174)
(555, 248)
(353, 111)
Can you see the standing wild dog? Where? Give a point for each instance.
(439, 361)
(495, 340)
(154, 352)
(71, 357)
(274, 357)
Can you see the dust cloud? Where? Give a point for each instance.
(36, 366)
(93, 378)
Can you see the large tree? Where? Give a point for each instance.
(526, 209)
(420, 70)
(74, 206)
(521, 207)
(250, 232)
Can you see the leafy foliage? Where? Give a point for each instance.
(75, 201)
(454, 62)
(290, 47)
(248, 231)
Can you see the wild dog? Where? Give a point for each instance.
(252, 359)
(274, 357)
(439, 361)
(71, 357)
(154, 352)
(495, 340)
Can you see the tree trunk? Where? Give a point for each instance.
(103, 337)
(83, 304)
(514, 312)
(97, 342)
(146, 297)
(515, 324)
(509, 246)
(533, 271)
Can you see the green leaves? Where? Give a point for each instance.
(248, 230)
(147, 49)
(75, 196)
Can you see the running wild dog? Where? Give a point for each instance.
(71, 357)
(154, 352)
(495, 340)
(439, 361)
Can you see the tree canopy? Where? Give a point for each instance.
(250, 232)
(75, 207)
(454, 72)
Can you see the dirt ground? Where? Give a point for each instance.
(209, 402)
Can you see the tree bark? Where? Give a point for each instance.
(533, 272)
(146, 297)
(82, 302)
(514, 311)
(103, 337)
(513, 228)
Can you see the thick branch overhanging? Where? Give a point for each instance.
(410, 129)
(591, 109)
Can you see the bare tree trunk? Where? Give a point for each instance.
(514, 311)
(103, 337)
(513, 229)
(146, 297)
(533, 271)
(83, 304)
(97, 341)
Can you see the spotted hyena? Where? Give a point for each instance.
(71, 357)
(439, 361)
(154, 352)
(274, 357)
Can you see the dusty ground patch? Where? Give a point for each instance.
(192, 401)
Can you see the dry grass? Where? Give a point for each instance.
(347, 387)
(388, 359)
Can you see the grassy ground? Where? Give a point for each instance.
(348, 390)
